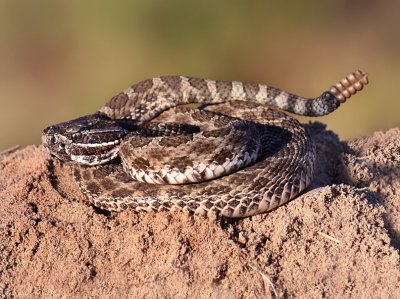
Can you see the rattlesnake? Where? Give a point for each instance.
(183, 158)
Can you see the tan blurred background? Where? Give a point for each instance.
(62, 59)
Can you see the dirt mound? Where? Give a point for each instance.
(341, 239)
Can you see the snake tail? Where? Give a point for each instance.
(349, 85)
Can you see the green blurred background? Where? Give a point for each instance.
(62, 59)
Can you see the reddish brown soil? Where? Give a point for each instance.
(341, 239)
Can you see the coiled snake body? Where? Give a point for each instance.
(238, 157)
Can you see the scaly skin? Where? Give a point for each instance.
(282, 169)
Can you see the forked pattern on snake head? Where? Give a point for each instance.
(238, 157)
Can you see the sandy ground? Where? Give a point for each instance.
(341, 239)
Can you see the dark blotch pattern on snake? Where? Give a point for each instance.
(238, 155)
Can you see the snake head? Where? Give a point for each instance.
(89, 140)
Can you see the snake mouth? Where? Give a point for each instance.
(81, 153)
(94, 153)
